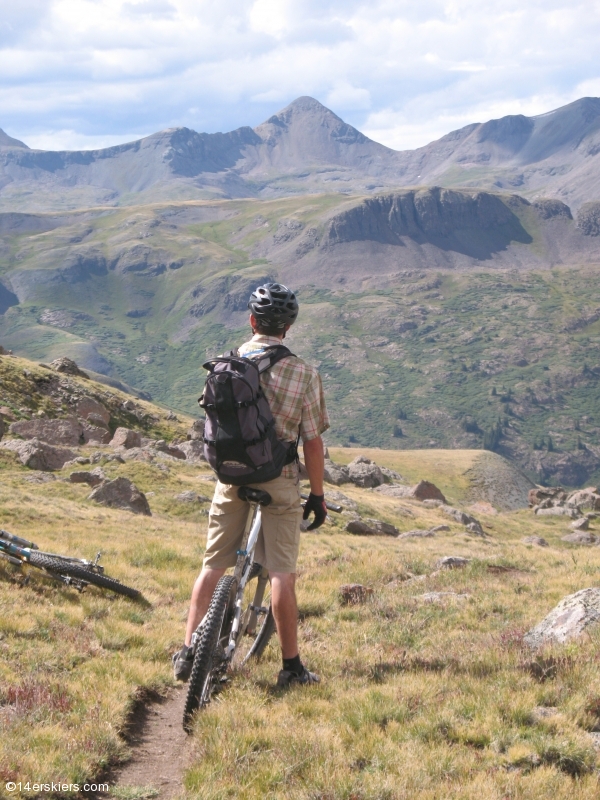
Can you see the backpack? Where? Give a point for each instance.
(240, 442)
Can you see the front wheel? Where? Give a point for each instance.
(58, 567)
(210, 663)
(258, 623)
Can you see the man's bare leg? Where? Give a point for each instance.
(202, 593)
(285, 611)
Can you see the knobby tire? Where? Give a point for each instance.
(59, 567)
(206, 667)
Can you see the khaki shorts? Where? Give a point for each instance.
(279, 539)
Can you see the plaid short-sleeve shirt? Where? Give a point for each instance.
(295, 394)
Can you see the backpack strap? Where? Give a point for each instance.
(271, 356)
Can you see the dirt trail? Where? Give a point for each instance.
(160, 749)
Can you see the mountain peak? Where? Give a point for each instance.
(8, 141)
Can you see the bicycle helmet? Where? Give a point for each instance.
(274, 305)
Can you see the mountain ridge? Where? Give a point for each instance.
(306, 148)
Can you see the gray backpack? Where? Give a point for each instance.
(240, 442)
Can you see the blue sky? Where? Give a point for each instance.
(91, 73)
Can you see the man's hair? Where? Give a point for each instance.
(268, 330)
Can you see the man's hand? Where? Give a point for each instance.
(316, 504)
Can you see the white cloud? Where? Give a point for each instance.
(79, 72)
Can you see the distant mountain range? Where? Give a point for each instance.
(306, 148)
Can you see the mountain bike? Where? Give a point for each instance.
(231, 633)
(75, 572)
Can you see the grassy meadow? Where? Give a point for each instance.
(420, 699)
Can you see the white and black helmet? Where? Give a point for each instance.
(274, 305)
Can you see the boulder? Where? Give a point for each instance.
(335, 474)
(94, 434)
(475, 528)
(365, 473)
(169, 450)
(192, 450)
(360, 528)
(540, 493)
(68, 367)
(121, 493)
(342, 499)
(196, 432)
(452, 562)
(124, 437)
(355, 593)
(581, 524)
(39, 455)
(574, 615)
(383, 528)
(67, 431)
(464, 519)
(536, 540)
(394, 490)
(390, 474)
(585, 498)
(424, 490)
(417, 534)
(557, 511)
(580, 537)
(93, 478)
(88, 408)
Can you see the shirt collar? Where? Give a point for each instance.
(260, 338)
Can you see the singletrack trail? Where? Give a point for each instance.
(160, 750)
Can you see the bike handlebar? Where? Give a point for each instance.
(328, 506)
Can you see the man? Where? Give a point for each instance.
(295, 394)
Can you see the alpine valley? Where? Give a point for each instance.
(449, 294)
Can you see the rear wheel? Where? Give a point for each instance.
(57, 567)
(210, 663)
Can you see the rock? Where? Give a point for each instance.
(169, 450)
(93, 478)
(424, 490)
(418, 533)
(68, 367)
(475, 528)
(580, 537)
(128, 405)
(39, 455)
(390, 474)
(568, 620)
(40, 477)
(541, 493)
(441, 597)
(141, 454)
(191, 497)
(365, 473)
(557, 511)
(452, 562)
(90, 409)
(536, 540)
(192, 450)
(432, 503)
(581, 524)
(483, 508)
(171, 417)
(585, 498)
(402, 511)
(359, 527)
(2, 426)
(341, 499)
(124, 437)
(7, 414)
(383, 528)
(121, 493)
(440, 528)
(67, 431)
(196, 432)
(464, 519)
(93, 434)
(336, 474)
(393, 490)
(355, 593)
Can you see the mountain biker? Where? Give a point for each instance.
(295, 394)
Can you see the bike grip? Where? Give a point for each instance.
(328, 506)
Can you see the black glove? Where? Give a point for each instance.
(316, 503)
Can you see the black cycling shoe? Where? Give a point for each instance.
(287, 678)
(183, 662)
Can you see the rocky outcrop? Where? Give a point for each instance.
(65, 431)
(39, 455)
(68, 367)
(196, 431)
(121, 493)
(93, 410)
(193, 451)
(365, 473)
(472, 524)
(93, 478)
(573, 616)
(588, 219)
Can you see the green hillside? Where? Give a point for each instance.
(425, 357)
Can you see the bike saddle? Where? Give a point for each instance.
(254, 495)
